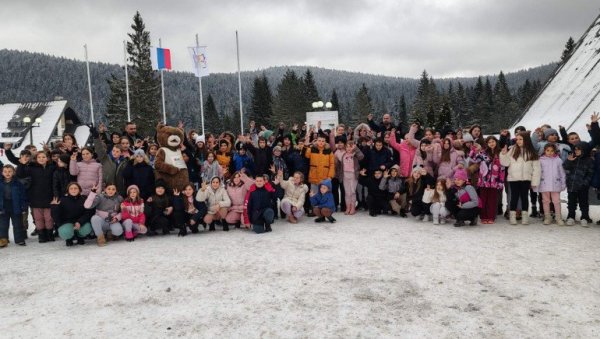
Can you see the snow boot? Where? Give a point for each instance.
(69, 242)
(183, 231)
(436, 220)
(459, 223)
(473, 222)
(513, 217)
(3, 242)
(524, 219)
(534, 213)
(129, 236)
(547, 218)
(331, 219)
(559, 220)
(194, 229)
(211, 227)
(238, 224)
(225, 226)
(268, 228)
(100, 240)
(42, 236)
(320, 219)
(51, 235)
(80, 241)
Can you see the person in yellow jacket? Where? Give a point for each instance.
(322, 161)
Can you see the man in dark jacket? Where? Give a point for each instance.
(378, 157)
(260, 209)
(386, 124)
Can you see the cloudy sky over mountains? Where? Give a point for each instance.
(397, 38)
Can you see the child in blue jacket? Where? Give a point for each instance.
(322, 202)
(13, 204)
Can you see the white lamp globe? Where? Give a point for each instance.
(320, 103)
(315, 104)
(38, 120)
(27, 120)
(328, 105)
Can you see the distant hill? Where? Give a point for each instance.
(27, 76)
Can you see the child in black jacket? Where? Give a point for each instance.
(579, 168)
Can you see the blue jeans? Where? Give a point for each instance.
(267, 216)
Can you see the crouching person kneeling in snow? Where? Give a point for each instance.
(259, 206)
(465, 202)
(108, 216)
(322, 202)
(132, 213)
(71, 216)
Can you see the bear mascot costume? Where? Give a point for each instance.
(169, 165)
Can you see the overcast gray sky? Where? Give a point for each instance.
(397, 38)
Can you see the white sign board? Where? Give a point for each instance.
(328, 119)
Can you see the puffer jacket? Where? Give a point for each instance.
(446, 169)
(428, 164)
(323, 200)
(112, 169)
(579, 171)
(18, 195)
(237, 194)
(341, 156)
(294, 194)
(393, 185)
(60, 179)
(214, 197)
(71, 209)
(376, 158)
(133, 211)
(521, 169)
(322, 164)
(467, 196)
(105, 206)
(407, 150)
(89, 174)
(40, 191)
(491, 171)
(553, 177)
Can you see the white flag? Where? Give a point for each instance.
(200, 60)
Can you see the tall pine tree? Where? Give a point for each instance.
(363, 106)
(290, 103)
(310, 89)
(569, 48)
(212, 121)
(262, 102)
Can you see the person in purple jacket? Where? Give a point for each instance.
(552, 182)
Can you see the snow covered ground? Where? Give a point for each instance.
(360, 277)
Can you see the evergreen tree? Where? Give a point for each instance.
(421, 104)
(144, 84)
(212, 122)
(504, 104)
(262, 101)
(569, 48)
(116, 108)
(430, 117)
(335, 103)
(445, 116)
(310, 89)
(462, 109)
(363, 106)
(290, 103)
(403, 114)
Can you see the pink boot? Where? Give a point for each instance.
(129, 236)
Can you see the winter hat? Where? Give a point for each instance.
(160, 183)
(133, 187)
(395, 167)
(549, 131)
(139, 153)
(276, 148)
(417, 168)
(267, 134)
(65, 158)
(461, 174)
(467, 137)
(199, 138)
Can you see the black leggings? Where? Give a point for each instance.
(519, 190)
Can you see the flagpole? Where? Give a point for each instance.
(200, 86)
(126, 80)
(237, 45)
(87, 65)
(162, 88)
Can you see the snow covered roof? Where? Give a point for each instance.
(571, 96)
(14, 131)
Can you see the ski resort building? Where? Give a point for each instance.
(40, 122)
(571, 95)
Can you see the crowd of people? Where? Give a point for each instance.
(107, 189)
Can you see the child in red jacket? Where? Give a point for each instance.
(132, 213)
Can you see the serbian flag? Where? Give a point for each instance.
(161, 58)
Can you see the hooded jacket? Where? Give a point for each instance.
(553, 176)
(40, 191)
(521, 169)
(214, 197)
(104, 205)
(323, 200)
(18, 195)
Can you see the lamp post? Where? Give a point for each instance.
(320, 104)
(36, 123)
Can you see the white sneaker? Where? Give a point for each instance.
(570, 222)
(584, 223)
(436, 220)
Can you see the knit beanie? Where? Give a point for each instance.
(461, 174)
(549, 131)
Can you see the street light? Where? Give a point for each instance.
(37, 123)
(320, 104)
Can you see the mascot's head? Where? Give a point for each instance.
(167, 136)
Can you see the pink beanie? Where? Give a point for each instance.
(461, 174)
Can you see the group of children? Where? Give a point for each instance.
(108, 190)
